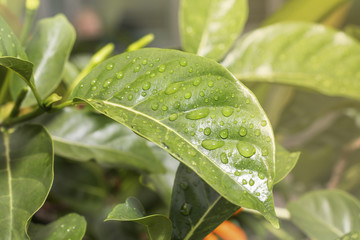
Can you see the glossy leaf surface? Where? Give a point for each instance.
(26, 175)
(10, 44)
(196, 209)
(21, 67)
(304, 10)
(158, 226)
(284, 162)
(71, 226)
(49, 50)
(299, 54)
(82, 135)
(210, 27)
(326, 214)
(198, 112)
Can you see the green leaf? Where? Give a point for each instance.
(355, 235)
(158, 226)
(49, 50)
(196, 209)
(326, 214)
(10, 44)
(71, 226)
(197, 111)
(284, 162)
(23, 68)
(26, 176)
(81, 135)
(304, 10)
(299, 54)
(210, 28)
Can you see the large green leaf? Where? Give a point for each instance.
(326, 214)
(10, 44)
(82, 135)
(158, 226)
(71, 226)
(284, 162)
(210, 27)
(49, 50)
(196, 209)
(23, 68)
(299, 54)
(26, 175)
(198, 112)
(304, 10)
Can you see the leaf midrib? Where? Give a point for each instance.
(9, 175)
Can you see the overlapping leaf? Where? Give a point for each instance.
(210, 27)
(197, 111)
(299, 54)
(284, 162)
(26, 175)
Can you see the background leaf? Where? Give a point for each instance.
(196, 209)
(82, 135)
(197, 111)
(71, 226)
(10, 44)
(299, 54)
(157, 226)
(284, 162)
(352, 235)
(26, 175)
(49, 50)
(210, 28)
(326, 214)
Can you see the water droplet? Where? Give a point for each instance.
(191, 70)
(251, 126)
(183, 62)
(188, 95)
(93, 82)
(137, 68)
(224, 133)
(251, 182)
(237, 173)
(247, 101)
(130, 97)
(119, 75)
(242, 131)
(173, 117)
(107, 83)
(268, 139)
(252, 115)
(152, 75)
(173, 88)
(198, 114)
(261, 176)
(110, 66)
(93, 88)
(162, 68)
(144, 62)
(257, 132)
(146, 86)
(184, 185)
(210, 83)
(212, 144)
(202, 94)
(186, 209)
(164, 107)
(224, 158)
(263, 123)
(197, 81)
(155, 106)
(177, 105)
(227, 111)
(244, 182)
(207, 131)
(143, 94)
(246, 149)
(265, 152)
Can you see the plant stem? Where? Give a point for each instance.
(16, 109)
(31, 9)
(142, 42)
(5, 86)
(11, 121)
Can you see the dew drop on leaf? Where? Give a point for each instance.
(244, 182)
(162, 68)
(110, 66)
(173, 117)
(119, 75)
(155, 106)
(183, 62)
(224, 133)
(251, 182)
(93, 82)
(207, 131)
(188, 95)
(130, 97)
(263, 123)
(261, 176)
(164, 107)
(224, 158)
(257, 132)
(196, 81)
(212, 144)
(210, 83)
(146, 86)
(242, 131)
(227, 111)
(246, 149)
(173, 88)
(93, 88)
(198, 114)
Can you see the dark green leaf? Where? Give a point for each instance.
(26, 175)
(21, 67)
(326, 214)
(304, 10)
(299, 54)
(158, 226)
(198, 112)
(196, 209)
(71, 226)
(355, 235)
(210, 28)
(284, 162)
(82, 135)
(49, 50)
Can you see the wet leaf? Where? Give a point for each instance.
(10, 44)
(71, 226)
(299, 54)
(196, 209)
(197, 111)
(82, 135)
(158, 226)
(209, 28)
(26, 176)
(326, 214)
